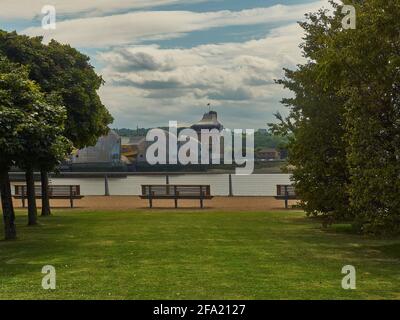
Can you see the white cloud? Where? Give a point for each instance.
(151, 85)
(135, 27)
(28, 9)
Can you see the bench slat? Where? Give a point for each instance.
(200, 192)
(283, 190)
(54, 191)
(174, 190)
(286, 193)
(70, 192)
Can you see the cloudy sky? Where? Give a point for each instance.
(166, 59)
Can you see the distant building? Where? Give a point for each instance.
(125, 140)
(267, 154)
(106, 150)
(134, 150)
(209, 121)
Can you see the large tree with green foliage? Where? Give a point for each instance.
(62, 70)
(365, 66)
(11, 124)
(39, 137)
(53, 147)
(315, 128)
(44, 145)
(345, 116)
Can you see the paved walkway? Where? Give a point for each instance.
(118, 203)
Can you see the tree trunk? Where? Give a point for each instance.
(46, 210)
(30, 192)
(10, 231)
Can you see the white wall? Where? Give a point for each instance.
(258, 184)
(219, 182)
(252, 185)
(131, 185)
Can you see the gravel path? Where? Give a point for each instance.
(118, 203)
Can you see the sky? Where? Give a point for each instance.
(165, 60)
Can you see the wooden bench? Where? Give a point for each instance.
(285, 192)
(200, 192)
(55, 192)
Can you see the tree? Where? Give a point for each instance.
(13, 122)
(64, 71)
(365, 63)
(315, 129)
(40, 140)
(354, 76)
(43, 144)
(54, 147)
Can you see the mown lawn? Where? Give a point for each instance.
(194, 255)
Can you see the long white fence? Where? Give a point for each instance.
(251, 185)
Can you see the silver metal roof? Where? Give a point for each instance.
(209, 121)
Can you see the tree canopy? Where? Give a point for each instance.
(345, 116)
(66, 77)
(62, 70)
(35, 139)
(40, 138)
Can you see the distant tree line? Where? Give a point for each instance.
(48, 103)
(261, 140)
(125, 132)
(344, 121)
(269, 141)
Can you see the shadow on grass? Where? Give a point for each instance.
(390, 250)
(39, 245)
(175, 209)
(140, 254)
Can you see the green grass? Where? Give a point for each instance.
(169, 254)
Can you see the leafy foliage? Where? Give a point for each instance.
(315, 128)
(370, 82)
(13, 121)
(64, 71)
(38, 138)
(345, 116)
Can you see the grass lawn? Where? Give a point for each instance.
(194, 255)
